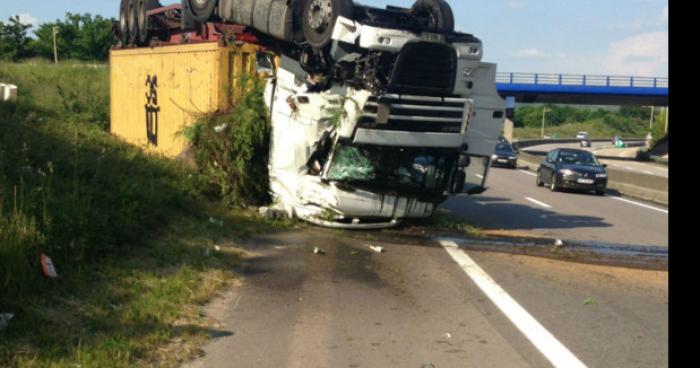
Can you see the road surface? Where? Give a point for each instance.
(514, 203)
(433, 306)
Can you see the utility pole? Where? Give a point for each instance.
(544, 111)
(55, 49)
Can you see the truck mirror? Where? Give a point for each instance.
(458, 182)
(464, 160)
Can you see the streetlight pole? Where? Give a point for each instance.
(55, 49)
(544, 111)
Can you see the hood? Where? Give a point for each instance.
(583, 169)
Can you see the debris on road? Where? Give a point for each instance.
(318, 250)
(559, 243)
(376, 249)
(48, 267)
(5, 319)
(447, 336)
(589, 301)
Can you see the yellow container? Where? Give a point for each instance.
(156, 92)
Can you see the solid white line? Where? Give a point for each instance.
(648, 172)
(538, 202)
(640, 204)
(544, 341)
(527, 172)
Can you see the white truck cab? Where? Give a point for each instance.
(348, 155)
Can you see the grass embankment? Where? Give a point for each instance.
(597, 129)
(130, 233)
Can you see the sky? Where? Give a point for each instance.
(602, 37)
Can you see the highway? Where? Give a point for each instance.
(515, 204)
(431, 304)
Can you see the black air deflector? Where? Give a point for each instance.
(424, 68)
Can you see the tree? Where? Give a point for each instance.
(14, 42)
(81, 37)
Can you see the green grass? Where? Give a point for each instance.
(129, 233)
(597, 129)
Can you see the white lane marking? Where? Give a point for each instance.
(544, 341)
(648, 172)
(629, 168)
(538, 202)
(640, 204)
(527, 172)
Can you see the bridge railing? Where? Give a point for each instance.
(581, 80)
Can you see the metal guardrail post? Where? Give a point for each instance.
(584, 80)
(536, 78)
(511, 78)
(607, 81)
(560, 79)
(631, 81)
(654, 82)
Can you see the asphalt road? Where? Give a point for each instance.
(420, 305)
(515, 204)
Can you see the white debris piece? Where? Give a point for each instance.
(220, 128)
(559, 243)
(318, 250)
(8, 92)
(375, 249)
(5, 319)
(48, 267)
(447, 336)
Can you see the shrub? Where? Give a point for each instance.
(231, 149)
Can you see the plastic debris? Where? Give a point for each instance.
(217, 248)
(375, 249)
(318, 250)
(48, 267)
(216, 222)
(220, 128)
(559, 243)
(5, 319)
(447, 336)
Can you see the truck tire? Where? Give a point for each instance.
(437, 13)
(318, 19)
(142, 7)
(133, 21)
(200, 10)
(124, 22)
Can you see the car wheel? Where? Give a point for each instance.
(553, 184)
(539, 181)
(124, 22)
(437, 14)
(201, 10)
(319, 17)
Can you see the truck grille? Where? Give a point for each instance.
(424, 68)
(414, 114)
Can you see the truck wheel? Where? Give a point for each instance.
(437, 13)
(201, 10)
(318, 19)
(124, 22)
(142, 7)
(133, 21)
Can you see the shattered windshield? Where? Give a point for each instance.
(393, 167)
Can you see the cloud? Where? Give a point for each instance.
(28, 19)
(535, 54)
(645, 54)
(516, 4)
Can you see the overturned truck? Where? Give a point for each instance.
(378, 115)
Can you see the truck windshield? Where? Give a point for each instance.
(417, 170)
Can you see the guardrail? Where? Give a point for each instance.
(581, 80)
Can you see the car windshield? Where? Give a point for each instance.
(393, 168)
(578, 158)
(503, 147)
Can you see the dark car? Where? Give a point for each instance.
(504, 156)
(572, 169)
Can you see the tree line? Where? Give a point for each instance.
(78, 37)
